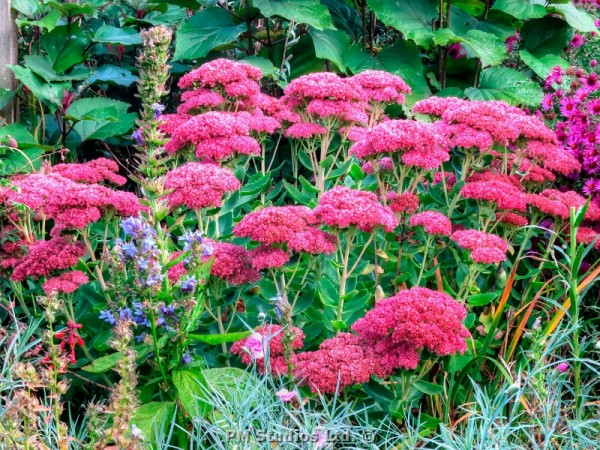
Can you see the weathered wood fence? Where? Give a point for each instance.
(8, 55)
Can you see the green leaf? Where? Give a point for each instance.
(472, 7)
(412, 18)
(112, 75)
(108, 362)
(310, 12)
(545, 36)
(576, 17)
(331, 45)
(256, 184)
(153, 416)
(43, 67)
(48, 22)
(404, 59)
(481, 299)
(205, 31)
(522, 9)
(497, 23)
(107, 34)
(429, 388)
(339, 324)
(28, 8)
(17, 131)
(100, 118)
(489, 48)
(187, 383)
(65, 46)
(543, 65)
(265, 65)
(344, 17)
(215, 339)
(72, 9)
(49, 93)
(502, 83)
(224, 380)
(358, 59)
(104, 363)
(6, 96)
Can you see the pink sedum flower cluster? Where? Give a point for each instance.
(342, 207)
(382, 86)
(44, 257)
(387, 338)
(91, 172)
(485, 248)
(199, 185)
(416, 143)
(69, 204)
(233, 264)
(295, 226)
(268, 257)
(66, 283)
(433, 222)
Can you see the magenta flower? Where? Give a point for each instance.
(457, 51)
(562, 367)
(254, 345)
(576, 41)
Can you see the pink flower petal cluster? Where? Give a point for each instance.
(91, 172)
(552, 157)
(170, 122)
(346, 111)
(433, 222)
(587, 235)
(405, 203)
(219, 73)
(268, 337)
(44, 257)
(382, 86)
(272, 107)
(558, 204)
(70, 204)
(339, 362)
(199, 185)
(291, 225)
(485, 248)
(323, 86)
(66, 283)
(342, 207)
(233, 264)
(419, 144)
(268, 257)
(495, 188)
(215, 135)
(198, 100)
(418, 317)
(513, 219)
(305, 130)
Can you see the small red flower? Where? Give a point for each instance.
(70, 337)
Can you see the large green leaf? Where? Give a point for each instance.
(100, 118)
(543, 65)
(205, 31)
(112, 75)
(47, 22)
(358, 59)
(489, 48)
(331, 45)
(43, 67)
(107, 34)
(153, 417)
(502, 83)
(224, 380)
(188, 383)
(28, 8)
(65, 46)
(344, 17)
(49, 93)
(72, 9)
(404, 59)
(412, 18)
(215, 339)
(310, 12)
(20, 161)
(545, 36)
(496, 23)
(577, 18)
(522, 9)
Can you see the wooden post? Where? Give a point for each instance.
(8, 55)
